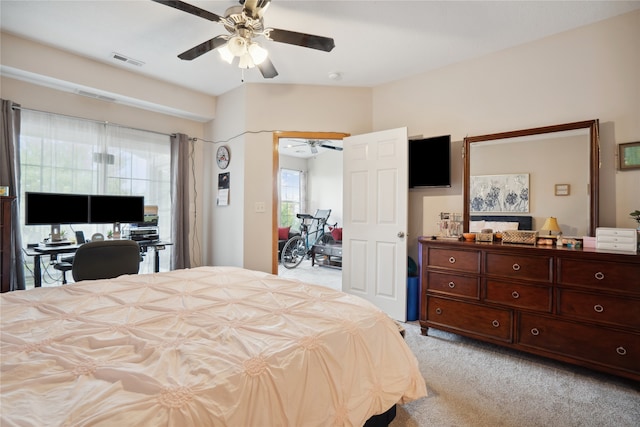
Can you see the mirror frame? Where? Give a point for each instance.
(594, 163)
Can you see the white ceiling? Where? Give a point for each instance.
(376, 41)
(295, 147)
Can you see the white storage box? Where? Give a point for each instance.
(617, 239)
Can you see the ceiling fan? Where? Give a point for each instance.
(244, 23)
(313, 144)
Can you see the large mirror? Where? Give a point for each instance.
(542, 172)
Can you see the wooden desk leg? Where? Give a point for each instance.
(37, 273)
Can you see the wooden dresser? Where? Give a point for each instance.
(6, 242)
(575, 305)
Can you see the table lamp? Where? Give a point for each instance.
(550, 225)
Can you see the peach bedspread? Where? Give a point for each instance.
(209, 346)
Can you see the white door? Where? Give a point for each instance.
(375, 219)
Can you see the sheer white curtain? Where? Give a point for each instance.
(71, 155)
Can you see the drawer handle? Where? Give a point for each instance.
(438, 310)
(452, 260)
(495, 324)
(621, 351)
(516, 267)
(535, 332)
(599, 275)
(452, 285)
(515, 294)
(598, 308)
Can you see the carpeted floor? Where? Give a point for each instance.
(471, 383)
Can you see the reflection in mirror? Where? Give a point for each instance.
(519, 173)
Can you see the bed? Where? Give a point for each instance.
(500, 222)
(208, 346)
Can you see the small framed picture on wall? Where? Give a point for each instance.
(629, 155)
(563, 189)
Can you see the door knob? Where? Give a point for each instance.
(400, 234)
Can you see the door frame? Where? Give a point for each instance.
(276, 167)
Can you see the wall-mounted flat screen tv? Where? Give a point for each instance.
(105, 209)
(430, 162)
(56, 208)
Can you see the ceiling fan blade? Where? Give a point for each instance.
(300, 39)
(186, 7)
(331, 147)
(255, 8)
(267, 69)
(203, 48)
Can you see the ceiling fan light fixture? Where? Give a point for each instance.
(237, 46)
(226, 54)
(246, 61)
(258, 53)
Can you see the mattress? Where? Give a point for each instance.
(209, 346)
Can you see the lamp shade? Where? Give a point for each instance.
(258, 53)
(550, 224)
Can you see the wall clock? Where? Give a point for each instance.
(223, 157)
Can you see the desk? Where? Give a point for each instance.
(54, 251)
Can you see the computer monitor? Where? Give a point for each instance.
(54, 209)
(105, 209)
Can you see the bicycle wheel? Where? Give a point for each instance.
(293, 252)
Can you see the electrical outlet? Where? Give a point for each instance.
(260, 207)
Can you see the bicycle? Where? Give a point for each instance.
(298, 247)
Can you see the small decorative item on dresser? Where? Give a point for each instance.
(469, 237)
(484, 237)
(519, 236)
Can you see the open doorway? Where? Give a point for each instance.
(298, 144)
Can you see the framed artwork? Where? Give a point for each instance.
(562, 189)
(499, 193)
(629, 155)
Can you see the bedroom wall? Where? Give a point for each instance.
(54, 76)
(325, 185)
(583, 74)
(269, 108)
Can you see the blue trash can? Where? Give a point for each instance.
(413, 298)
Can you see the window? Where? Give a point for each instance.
(69, 155)
(291, 191)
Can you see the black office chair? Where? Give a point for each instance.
(106, 259)
(65, 264)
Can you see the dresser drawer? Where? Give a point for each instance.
(531, 297)
(583, 342)
(488, 322)
(599, 274)
(452, 284)
(599, 308)
(539, 268)
(468, 261)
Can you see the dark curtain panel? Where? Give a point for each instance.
(10, 176)
(180, 201)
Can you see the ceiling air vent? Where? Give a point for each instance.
(126, 59)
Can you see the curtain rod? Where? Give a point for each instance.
(102, 122)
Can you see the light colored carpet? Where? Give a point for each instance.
(471, 383)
